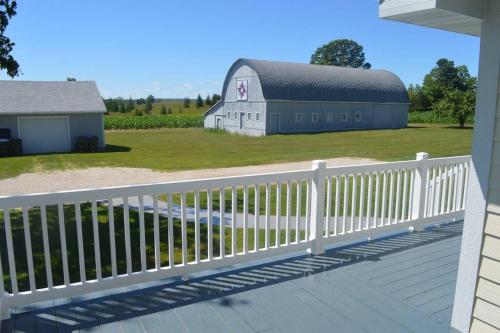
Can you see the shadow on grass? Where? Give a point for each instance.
(115, 149)
(466, 127)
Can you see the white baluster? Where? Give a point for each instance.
(97, 245)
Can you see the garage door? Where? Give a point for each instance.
(44, 134)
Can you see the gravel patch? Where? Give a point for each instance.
(93, 178)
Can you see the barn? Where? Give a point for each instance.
(269, 97)
(49, 116)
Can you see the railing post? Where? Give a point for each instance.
(317, 207)
(420, 181)
(4, 309)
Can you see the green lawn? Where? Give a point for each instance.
(88, 241)
(185, 149)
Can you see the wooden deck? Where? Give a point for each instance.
(395, 284)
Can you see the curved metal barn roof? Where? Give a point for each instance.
(304, 82)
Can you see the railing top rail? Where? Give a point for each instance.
(61, 197)
(363, 168)
(448, 160)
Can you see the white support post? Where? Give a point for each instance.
(419, 183)
(4, 309)
(317, 207)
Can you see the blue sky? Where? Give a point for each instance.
(176, 48)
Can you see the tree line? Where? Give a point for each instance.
(142, 106)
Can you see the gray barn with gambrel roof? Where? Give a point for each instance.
(268, 97)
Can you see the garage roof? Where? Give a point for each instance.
(37, 97)
(304, 82)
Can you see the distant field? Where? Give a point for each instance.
(195, 148)
(177, 108)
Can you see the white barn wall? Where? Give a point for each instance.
(390, 115)
(255, 104)
(288, 109)
(373, 116)
(214, 112)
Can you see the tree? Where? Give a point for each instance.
(208, 101)
(148, 107)
(341, 52)
(130, 104)
(418, 100)
(111, 105)
(163, 109)
(187, 103)
(70, 79)
(150, 99)
(7, 61)
(215, 98)
(122, 108)
(199, 102)
(446, 76)
(457, 104)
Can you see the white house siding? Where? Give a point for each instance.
(486, 312)
(253, 105)
(87, 124)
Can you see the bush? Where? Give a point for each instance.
(161, 121)
(429, 117)
(163, 110)
(138, 112)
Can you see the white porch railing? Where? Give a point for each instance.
(69, 243)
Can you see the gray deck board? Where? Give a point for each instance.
(403, 283)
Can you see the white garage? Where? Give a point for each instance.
(51, 116)
(53, 130)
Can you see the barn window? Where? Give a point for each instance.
(329, 117)
(236, 115)
(249, 116)
(257, 116)
(298, 117)
(228, 114)
(344, 116)
(315, 117)
(357, 116)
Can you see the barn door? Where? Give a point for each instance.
(242, 120)
(275, 123)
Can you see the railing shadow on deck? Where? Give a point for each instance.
(126, 305)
